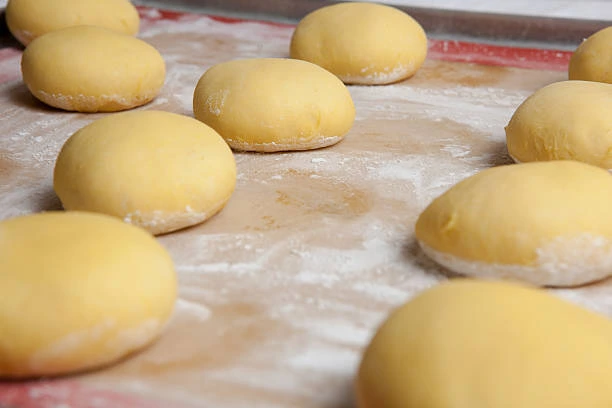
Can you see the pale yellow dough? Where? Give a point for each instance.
(29, 19)
(361, 43)
(546, 223)
(592, 60)
(477, 344)
(564, 120)
(157, 170)
(274, 104)
(78, 291)
(92, 69)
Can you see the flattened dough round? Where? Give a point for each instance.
(29, 19)
(592, 60)
(361, 43)
(92, 69)
(157, 170)
(274, 104)
(78, 291)
(565, 120)
(479, 344)
(546, 223)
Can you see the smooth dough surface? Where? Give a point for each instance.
(478, 344)
(565, 120)
(78, 291)
(274, 104)
(29, 19)
(547, 223)
(92, 69)
(361, 43)
(592, 60)
(157, 170)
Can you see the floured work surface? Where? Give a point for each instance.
(280, 292)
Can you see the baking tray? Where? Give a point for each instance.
(280, 292)
(516, 30)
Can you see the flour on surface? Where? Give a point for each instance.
(282, 289)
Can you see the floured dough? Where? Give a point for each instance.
(274, 104)
(361, 43)
(565, 120)
(546, 223)
(477, 344)
(78, 291)
(592, 60)
(92, 69)
(29, 19)
(157, 170)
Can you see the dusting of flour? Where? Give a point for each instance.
(280, 292)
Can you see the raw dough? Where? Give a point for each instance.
(158, 170)
(592, 60)
(477, 344)
(92, 69)
(78, 291)
(28, 19)
(361, 43)
(547, 223)
(564, 120)
(274, 104)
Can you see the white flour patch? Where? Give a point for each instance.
(197, 310)
(380, 292)
(337, 331)
(483, 108)
(327, 360)
(428, 175)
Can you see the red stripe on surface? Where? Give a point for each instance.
(149, 13)
(62, 393)
(488, 54)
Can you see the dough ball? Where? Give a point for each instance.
(592, 60)
(274, 104)
(478, 344)
(565, 120)
(92, 69)
(361, 43)
(78, 291)
(157, 170)
(29, 19)
(546, 223)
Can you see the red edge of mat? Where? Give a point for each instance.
(445, 50)
(70, 393)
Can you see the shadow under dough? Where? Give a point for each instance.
(499, 155)
(19, 95)
(347, 399)
(414, 255)
(47, 200)
(6, 38)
